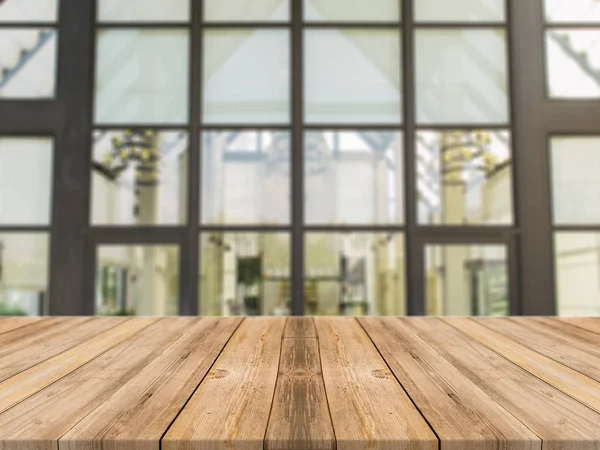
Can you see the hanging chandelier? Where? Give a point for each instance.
(135, 147)
(466, 151)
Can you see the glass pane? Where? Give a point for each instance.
(459, 11)
(466, 280)
(351, 10)
(572, 11)
(355, 274)
(461, 76)
(143, 10)
(28, 11)
(245, 274)
(27, 63)
(352, 76)
(24, 263)
(137, 280)
(464, 177)
(573, 63)
(246, 177)
(353, 177)
(575, 182)
(246, 76)
(578, 274)
(25, 181)
(142, 76)
(139, 177)
(245, 11)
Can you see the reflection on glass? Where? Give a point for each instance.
(352, 10)
(25, 181)
(139, 177)
(245, 274)
(575, 182)
(246, 177)
(464, 177)
(137, 280)
(28, 11)
(572, 11)
(142, 76)
(24, 274)
(466, 280)
(352, 76)
(460, 11)
(353, 177)
(246, 76)
(461, 76)
(354, 274)
(578, 274)
(143, 10)
(27, 62)
(245, 11)
(573, 63)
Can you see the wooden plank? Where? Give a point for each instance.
(369, 409)
(231, 407)
(554, 373)
(36, 378)
(12, 323)
(300, 327)
(23, 336)
(138, 414)
(40, 420)
(577, 356)
(300, 414)
(587, 323)
(22, 355)
(463, 416)
(559, 420)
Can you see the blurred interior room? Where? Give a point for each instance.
(300, 157)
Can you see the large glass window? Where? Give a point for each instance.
(461, 76)
(354, 274)
(352, 75)
(353, 177)
(274, 156)
(138, 280)
(28, 46)
(246, 274)
(246, 76)
(142, 76)
(26, 166)
(467, 280)
(246, 177)
(575, 162)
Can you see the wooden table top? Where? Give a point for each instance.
(299, 383)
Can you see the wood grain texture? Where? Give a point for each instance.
(300, 327)
(231, 407)
(12, 323)
(587, 323)
(300, 414)
(559, 420)
(369, 409)
(138, 414)
(40, 420)
(554, 373)
(36, 378)
(580, 356)
(462, 415)
(28, 346)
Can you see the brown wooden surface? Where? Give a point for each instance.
(299, 383)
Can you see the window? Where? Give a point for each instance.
(25, 218)
(575, 163)
(28, 45)
(298, 156)
(572, 50)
